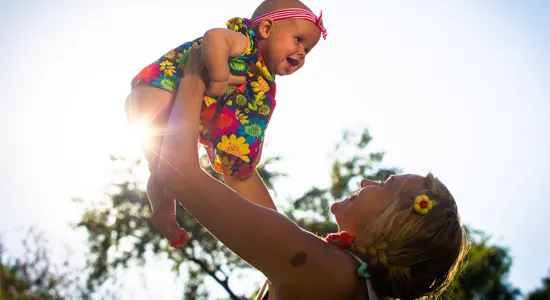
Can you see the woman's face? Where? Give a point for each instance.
(354, 213)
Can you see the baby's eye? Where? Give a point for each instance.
(298, 39)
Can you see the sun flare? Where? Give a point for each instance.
(142, 131)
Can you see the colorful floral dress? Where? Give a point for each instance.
(232, 127)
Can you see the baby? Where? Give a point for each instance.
(242, 63)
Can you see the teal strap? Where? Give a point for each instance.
(362, 271)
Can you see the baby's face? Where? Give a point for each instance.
(288, 44)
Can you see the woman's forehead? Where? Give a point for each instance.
(407, 182)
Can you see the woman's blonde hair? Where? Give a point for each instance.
(411, 255)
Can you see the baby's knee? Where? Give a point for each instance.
(146, 103)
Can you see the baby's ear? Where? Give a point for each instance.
(265, 28)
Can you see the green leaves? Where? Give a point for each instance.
(542, 293)
(353, 163)
(120, 235)
(485, 271)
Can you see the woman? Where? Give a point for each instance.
(400, 239)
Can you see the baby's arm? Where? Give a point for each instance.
(218, 45)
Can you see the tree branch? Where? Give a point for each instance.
(223, 282)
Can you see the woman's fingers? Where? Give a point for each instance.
(195, 65)
(236, 80)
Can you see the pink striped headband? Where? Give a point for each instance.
(292, 13)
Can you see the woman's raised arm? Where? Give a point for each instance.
(263, 237)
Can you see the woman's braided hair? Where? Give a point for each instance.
(411, 255)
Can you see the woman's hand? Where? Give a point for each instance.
(263, 237)
(179, 153)
(236, 80)
(195, 65)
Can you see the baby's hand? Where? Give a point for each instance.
(217, 88)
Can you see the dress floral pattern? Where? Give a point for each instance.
(233, 126)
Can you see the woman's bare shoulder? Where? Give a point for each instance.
(322, 272)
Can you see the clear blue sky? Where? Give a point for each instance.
(460, 88)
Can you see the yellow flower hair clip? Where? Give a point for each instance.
(423, 204)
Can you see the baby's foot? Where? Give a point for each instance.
(166, 223)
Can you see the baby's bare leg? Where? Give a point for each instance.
(151, 106)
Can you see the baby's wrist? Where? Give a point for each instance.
(219, 72)
(220, 77)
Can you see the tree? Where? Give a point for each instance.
(13, 283)
(487, 267)
(485, 271)
(33, 275)
(542, 293)
(354, 163)
(122, 218)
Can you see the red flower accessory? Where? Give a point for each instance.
(342, 239)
